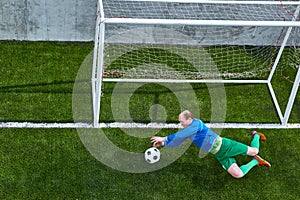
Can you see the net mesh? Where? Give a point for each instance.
(195, 51)
(198, 11)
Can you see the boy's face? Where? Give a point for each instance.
(184, 122)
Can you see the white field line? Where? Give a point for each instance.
(150, 125)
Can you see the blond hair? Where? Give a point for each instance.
(187, 114)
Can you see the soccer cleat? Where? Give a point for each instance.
(262, 136)
(261, 162)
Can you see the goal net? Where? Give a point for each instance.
(168, 49)
(195, 41)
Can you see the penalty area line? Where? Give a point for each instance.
(43, 125)
(149, 125)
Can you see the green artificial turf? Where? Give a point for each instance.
(53, 164)
(36, 85)
(37, 78)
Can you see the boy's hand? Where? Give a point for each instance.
(158, 141)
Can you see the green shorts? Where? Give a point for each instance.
(229, 149)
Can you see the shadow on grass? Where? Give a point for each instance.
(61, 87)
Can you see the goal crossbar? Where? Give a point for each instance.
(185, 81)
(200, 22)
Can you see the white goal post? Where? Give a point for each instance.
(152, 41)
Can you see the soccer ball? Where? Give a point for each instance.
(152, 155)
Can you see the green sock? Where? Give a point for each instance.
(246, 168)
(255, 141)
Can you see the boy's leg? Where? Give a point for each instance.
(257, 136)
(262, 136)
(247, 167)
(239, 172)
(231, 148)
(244, 169)
(228, 151)
(255, 141)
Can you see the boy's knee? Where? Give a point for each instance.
(239, 176)
(252, 151)
(235, 171)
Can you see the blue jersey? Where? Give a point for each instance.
(198, 132)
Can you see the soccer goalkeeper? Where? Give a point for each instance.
(224, 149)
